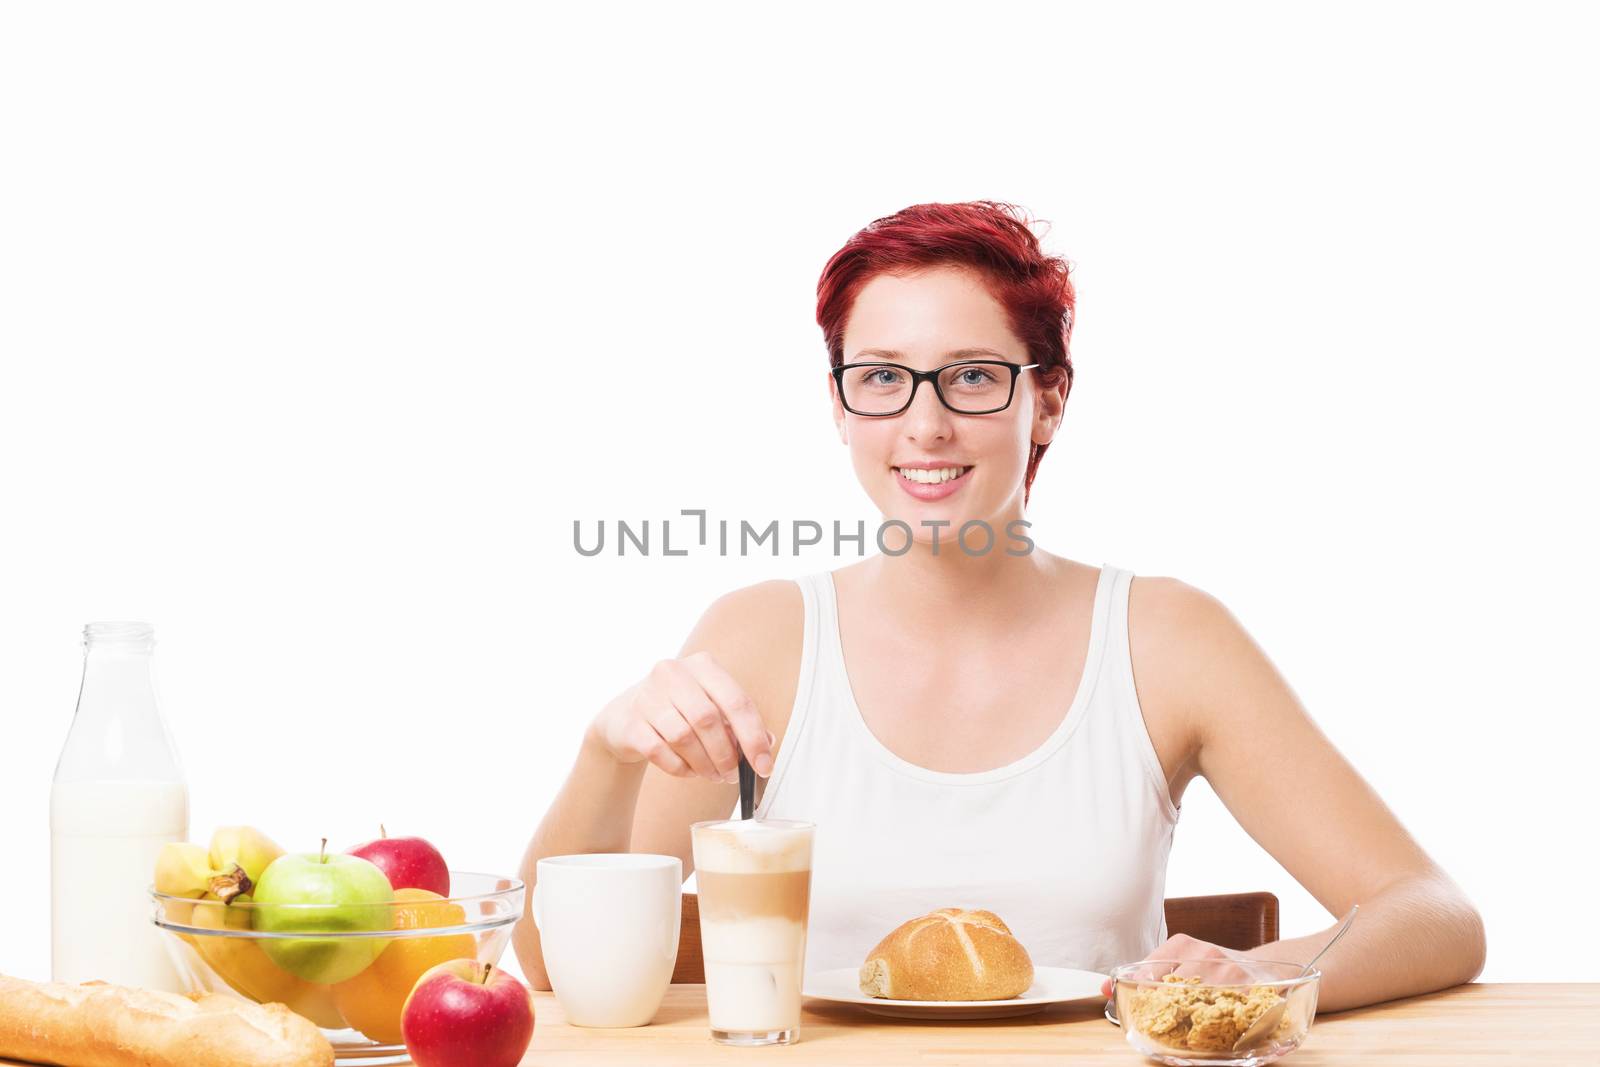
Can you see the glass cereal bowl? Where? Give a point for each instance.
(1238, 1012)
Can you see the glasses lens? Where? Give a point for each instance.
(975, 387)
(875, 389)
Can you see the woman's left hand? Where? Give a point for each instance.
(1183, 947)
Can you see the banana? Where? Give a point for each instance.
(222, 874)
(229, 868)
(238, 855)
(183, 870)
(241, 963)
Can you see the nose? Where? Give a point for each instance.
(927, 419)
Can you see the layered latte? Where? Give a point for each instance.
(754, 881)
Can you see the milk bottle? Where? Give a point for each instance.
(118, 796)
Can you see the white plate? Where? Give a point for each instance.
(1051, 985)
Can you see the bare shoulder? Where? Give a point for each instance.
(755, 633)
(1184, 644)
(1179, 630)
(1170, 610)
(775, 602)
(745, 624)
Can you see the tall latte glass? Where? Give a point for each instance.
(754, 883)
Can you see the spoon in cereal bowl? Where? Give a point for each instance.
(1269, 1019)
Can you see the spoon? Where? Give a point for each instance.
(747, 789)
(1269, 1019)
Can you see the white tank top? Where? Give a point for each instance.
(1068, 845)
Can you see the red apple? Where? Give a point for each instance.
(467, 1014)
(408, 862)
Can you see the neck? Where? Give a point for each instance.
(930, 586)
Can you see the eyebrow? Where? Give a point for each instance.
(960, 353)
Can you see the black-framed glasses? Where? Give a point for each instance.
(969, 387)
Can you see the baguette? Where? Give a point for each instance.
(100, 1025)
(949, 954)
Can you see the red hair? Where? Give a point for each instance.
(993, 239)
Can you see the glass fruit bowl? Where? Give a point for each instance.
(1238, 1012)
(347, 968)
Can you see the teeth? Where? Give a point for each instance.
(930, 477)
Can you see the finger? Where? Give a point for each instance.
(1231, 973)
(665, 689)
(1210, 963)
(1190, 948)
(745, 719)
(1179, 947)
(703, 715)
(680, 738)
(1151, 968)
(1199, 959)
(1161, 961)
(1215, 972)
(658, 711)
(1183, 947)
(655, 748)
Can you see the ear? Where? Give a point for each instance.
(838, 410)
(1050, 402)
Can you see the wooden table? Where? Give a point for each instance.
(1472, 1024)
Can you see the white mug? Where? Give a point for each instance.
(608, 927)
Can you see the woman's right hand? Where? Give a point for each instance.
(689, 718)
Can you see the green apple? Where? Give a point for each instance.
(318, 893)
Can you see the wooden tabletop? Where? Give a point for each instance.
(1477, 1024)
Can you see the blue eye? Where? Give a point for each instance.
(880, 376)
(974, 377)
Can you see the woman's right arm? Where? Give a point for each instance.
(687, 718)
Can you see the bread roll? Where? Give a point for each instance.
(100, 1025)
(949, 954)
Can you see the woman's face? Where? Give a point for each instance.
(926, 320)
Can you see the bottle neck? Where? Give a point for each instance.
(117, 732)
(117, 682)
(119, 639)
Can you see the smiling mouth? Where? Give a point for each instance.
(931, 475)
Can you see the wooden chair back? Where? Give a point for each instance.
(1232, 920)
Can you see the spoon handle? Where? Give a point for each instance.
(747, 788)
(1344, 928)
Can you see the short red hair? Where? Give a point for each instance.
(993, 239)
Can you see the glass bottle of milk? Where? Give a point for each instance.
(118, 796)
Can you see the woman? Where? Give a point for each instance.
(912, 704)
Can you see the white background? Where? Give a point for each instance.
(322, 323)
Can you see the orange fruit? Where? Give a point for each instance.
(372, 1000)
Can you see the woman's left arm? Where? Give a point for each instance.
(1225, 713)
